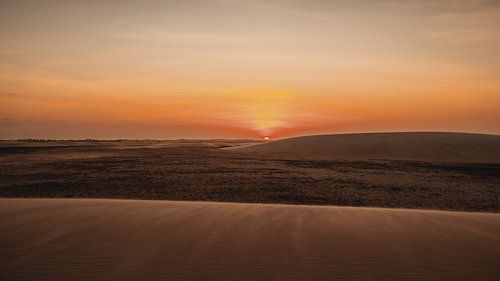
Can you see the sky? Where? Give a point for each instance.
(247, 69)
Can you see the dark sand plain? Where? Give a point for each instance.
(93, 239)
(204, 171)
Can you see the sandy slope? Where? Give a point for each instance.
(446, 147)
(60, 239)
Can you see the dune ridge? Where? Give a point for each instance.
(97, 239)
(417, 146)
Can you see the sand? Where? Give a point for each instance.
(419, 146)
(167, 171)
(94, 239)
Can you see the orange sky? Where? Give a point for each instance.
(232, 69)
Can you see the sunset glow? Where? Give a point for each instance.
(208, 69)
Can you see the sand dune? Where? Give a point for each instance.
(444, 147)
(65, 239)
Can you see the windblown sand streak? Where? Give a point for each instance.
(73, 239)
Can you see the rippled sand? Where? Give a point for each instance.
(68, 239)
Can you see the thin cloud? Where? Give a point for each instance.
(479, 25)
(165, 35)
(435, 7)
(12, 52)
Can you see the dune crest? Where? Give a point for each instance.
(417, 146)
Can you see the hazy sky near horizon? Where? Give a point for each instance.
(222, 68)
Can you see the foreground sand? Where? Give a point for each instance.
(65, 239)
